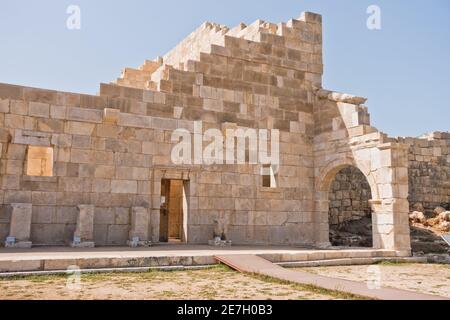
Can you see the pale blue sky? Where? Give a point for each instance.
(403, 69)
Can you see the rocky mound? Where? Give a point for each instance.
(426, 232)
(425, 240)
(357, 233)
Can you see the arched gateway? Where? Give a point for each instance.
(350, 213)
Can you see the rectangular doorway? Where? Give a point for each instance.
(174, 208)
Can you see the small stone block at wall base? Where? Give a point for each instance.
(140, 220)
(11, 243)
(82, 244)
(220, 243)
(84, 233)
(136, 243)
(20, 227)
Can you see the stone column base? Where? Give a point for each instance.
(403, 253)
(219, 243)
(323, 245)
(139, 244)
(82, 244)
(19, 245)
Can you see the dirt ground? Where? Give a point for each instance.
(424, 278)
(218, 283)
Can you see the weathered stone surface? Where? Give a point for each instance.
(140, 223)
(20, 226)
(124, 186)
(84, 232)
(38, 109)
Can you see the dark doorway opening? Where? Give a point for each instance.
(350, 214)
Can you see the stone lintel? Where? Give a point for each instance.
(341, 97)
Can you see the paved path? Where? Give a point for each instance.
(297, 253)
(258, 265)
(60, 258)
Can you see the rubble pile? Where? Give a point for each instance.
(440, 220)
(426, 231)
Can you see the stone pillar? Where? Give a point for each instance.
(139, 235)
(391, 211)
(84, 233)
(20, 228)
(320, 219)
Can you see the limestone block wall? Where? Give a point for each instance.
(429, 170)
(111, 151)
(198, 41)
(95, 162)
(349, 196)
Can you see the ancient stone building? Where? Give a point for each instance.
(83, 170)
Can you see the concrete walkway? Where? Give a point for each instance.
(258, 265)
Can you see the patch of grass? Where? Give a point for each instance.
(392, 263)
(100, 276)
(314, 289)
(38, 279)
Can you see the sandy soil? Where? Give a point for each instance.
(218, 284)
(424, 278)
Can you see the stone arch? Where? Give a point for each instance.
(328, 173)
(350, 211)
(323, 185)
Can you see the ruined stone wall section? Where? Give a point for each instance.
(296, 44)
(343, 138)
(138, 78)
(198, 41)
(429, 170)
